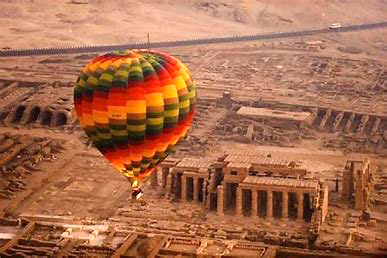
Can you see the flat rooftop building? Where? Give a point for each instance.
(271, 115)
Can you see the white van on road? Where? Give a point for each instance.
(335, 26)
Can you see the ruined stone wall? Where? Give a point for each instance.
(364, 184)
(37, 105)
(325, 203)
(348, 182)
(236, 174)
(358, 183)
(20, 156)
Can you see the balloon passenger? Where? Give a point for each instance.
(137, 192)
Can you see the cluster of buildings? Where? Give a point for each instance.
(247, 183)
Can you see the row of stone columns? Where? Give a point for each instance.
(254, 203)
(269, 204)
(37, 115)
(167, 182)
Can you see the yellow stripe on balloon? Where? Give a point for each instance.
(128, 61)
(154, 99)
(93, 67)
(171, 113)
(128, 174)
(117, 63)
(191, 94)
(135, 68)
(106, 77)
(122, 73)
(94, 138)
(169, 91)
(184, 104)
(155, 121)
(179, 82)
(137, 128)
(81, 83)
(105, 136)
(118, 132)
(136, 106)
(105, 64)
(184, 75)
(92, 81)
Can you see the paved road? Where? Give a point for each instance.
(189, 42)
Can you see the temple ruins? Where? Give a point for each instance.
(247, 183)
(358, 184)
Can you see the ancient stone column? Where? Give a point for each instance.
(53, 119)
(360, 193)
(347, 188)
(258, 196)
(153, 179)
(269, 204)
(254, 203)
(195, 189)
(239, 201)
(204, 190)
(325, 118)
(349, 122)
(220, 204)
(208, 197)
(337, 121)
(375, 127)
(363, 123)
(300, 206)
(164, 174)
(183, 187)
(285, 205)
(169, 183)
(212, 182)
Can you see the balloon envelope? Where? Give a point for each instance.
(135, 106)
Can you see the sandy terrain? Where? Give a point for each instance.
(45, 23)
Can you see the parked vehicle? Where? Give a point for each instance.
(335, 26)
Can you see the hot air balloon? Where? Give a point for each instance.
(135, 106)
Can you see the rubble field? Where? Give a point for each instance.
(286, 156)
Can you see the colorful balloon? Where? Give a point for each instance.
(135, 106)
